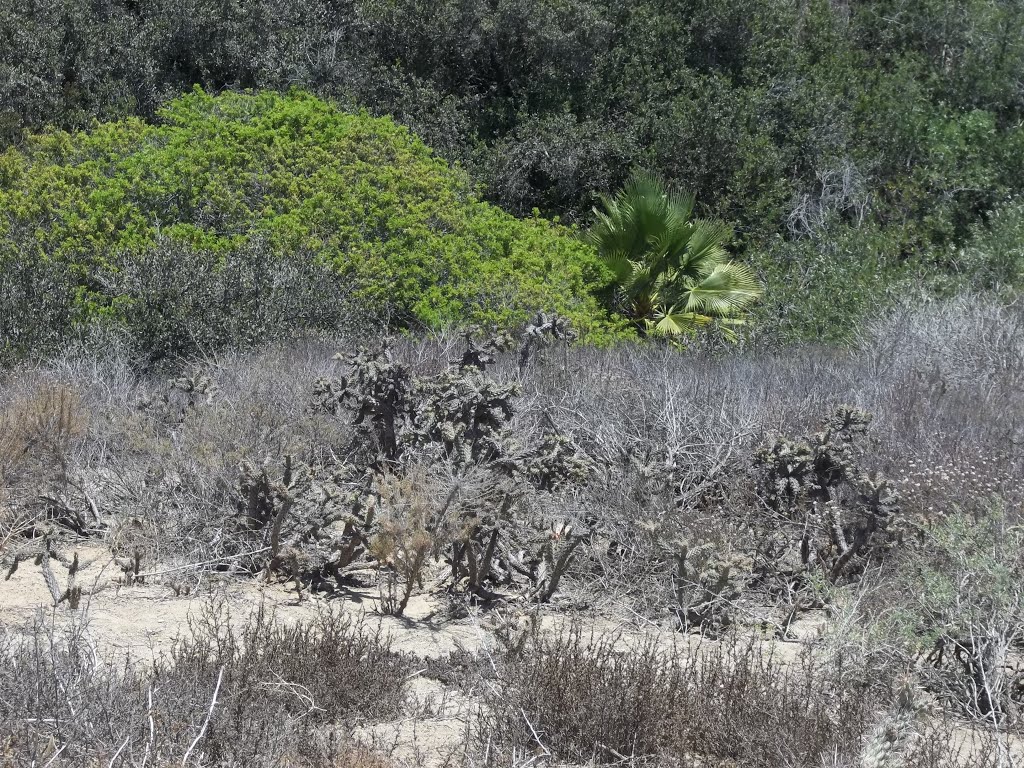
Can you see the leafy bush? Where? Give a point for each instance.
(177, 300)
(824, 286)
(993, 259)
(757, 107)
(217, 179)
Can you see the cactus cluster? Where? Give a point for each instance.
(315, 522)
(814, 467)
(706, 582)
(845, 514)
(497, 552)
(461, 411)
(180, 396)
(555, 462)
(403, 503)
(465, 413)
(379, 392)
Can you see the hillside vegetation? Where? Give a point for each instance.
(808, 558)
(512, 383)
(319, 210)
(857, 147)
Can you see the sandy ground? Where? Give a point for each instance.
(142, 621)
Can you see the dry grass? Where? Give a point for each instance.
(252, 693)
(669, 439)
(579, 699)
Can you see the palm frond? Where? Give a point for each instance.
(620, 266)
(705, 250)
(672, 323)
(728, 289)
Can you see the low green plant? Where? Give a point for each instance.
(826, 285)
(961, 613)
(993, 257)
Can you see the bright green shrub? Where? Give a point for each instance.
(360, 194)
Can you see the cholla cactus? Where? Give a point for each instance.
(315, 522)
(810, 469)
(705, 584)
(552, 464)
(328, 396)
(197, 388)
(892, 741)
(72, 593)
(379, 391)
(544, 330)
(259, 499)
(556, 553)
(182, 395)
(479, 539)
(480, 353)
(466, 413)
(787, 476)
(847, 514)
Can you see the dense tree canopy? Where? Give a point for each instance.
(881, 131)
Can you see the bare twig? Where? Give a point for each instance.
(205, 562)
(206, 722)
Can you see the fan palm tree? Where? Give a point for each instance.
(672, 273)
